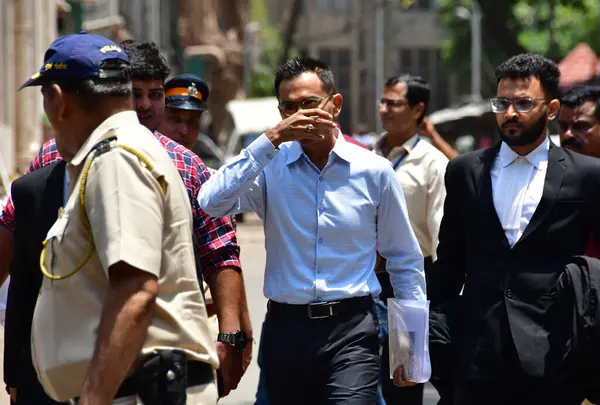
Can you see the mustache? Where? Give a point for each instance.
(512, 122)
(573, 143)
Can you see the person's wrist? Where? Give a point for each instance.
(274, 137)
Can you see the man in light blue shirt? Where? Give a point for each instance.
(326, 205)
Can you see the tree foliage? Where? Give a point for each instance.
(261, 80)
(509, 27)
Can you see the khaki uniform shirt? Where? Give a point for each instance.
(421, 174)
(132, 220)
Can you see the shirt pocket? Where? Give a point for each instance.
(52, 244)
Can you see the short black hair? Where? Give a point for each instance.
(579, 95)
(418, 90)
(115, 83)
(146, 61)
(532, 64)
(295, 67)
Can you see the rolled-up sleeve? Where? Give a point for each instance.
(7, 216)
(125, 205)
(239, 186)
(397, 242)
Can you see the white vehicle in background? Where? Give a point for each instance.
(246, 120)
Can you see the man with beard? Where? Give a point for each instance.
(579, 123)
(514, 215)
(579, 120)
(215, 241)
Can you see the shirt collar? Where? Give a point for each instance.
(408, 146)
(116, 120)
(340, 149)
(536, 157)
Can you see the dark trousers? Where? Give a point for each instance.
(29, 389)
(321, 361)
(513, 386)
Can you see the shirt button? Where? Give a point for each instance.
(320, 178)
(269, 156)
(509, 293)
(321, 209)
(320, 240)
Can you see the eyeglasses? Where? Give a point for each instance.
(578, 128)
(288, 108)
(522, 104)
(392, 103)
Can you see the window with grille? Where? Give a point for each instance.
(339, 61)
(427, 63)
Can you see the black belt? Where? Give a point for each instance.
(199, 373)
(321, 310)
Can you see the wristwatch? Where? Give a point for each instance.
(237, 339)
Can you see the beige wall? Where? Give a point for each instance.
(7, 85)
(27, 27)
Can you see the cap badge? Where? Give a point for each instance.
(192, 90)
(110, 48)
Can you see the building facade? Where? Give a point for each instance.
(146, 20)
(343, 34)
(27, 27)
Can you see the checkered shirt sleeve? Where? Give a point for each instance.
(47, 155)
(216, 240)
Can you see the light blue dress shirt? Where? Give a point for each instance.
(322, 227)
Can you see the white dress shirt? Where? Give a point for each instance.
(420, 168)
(322, 226)
(518, 185)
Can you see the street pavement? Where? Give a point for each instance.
(251, 238)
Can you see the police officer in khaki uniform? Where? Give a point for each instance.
(120, 317)
(185, 101)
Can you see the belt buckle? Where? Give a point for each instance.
(320, 304)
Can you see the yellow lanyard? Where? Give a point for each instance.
(97, 150)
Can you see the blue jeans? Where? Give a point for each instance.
(261, 394)
(382, 317)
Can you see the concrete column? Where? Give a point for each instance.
(27, 128)
(35, 29)
(355, 85)
(7, 86)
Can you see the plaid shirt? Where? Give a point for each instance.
(215, 238)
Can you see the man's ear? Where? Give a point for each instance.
(60, 101)
(337, 100)
(553, 109)
(418, 111)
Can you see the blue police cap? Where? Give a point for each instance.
(187, 92)
(78, 56)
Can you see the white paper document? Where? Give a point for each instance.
(408, 323)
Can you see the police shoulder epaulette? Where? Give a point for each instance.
(104, 144)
